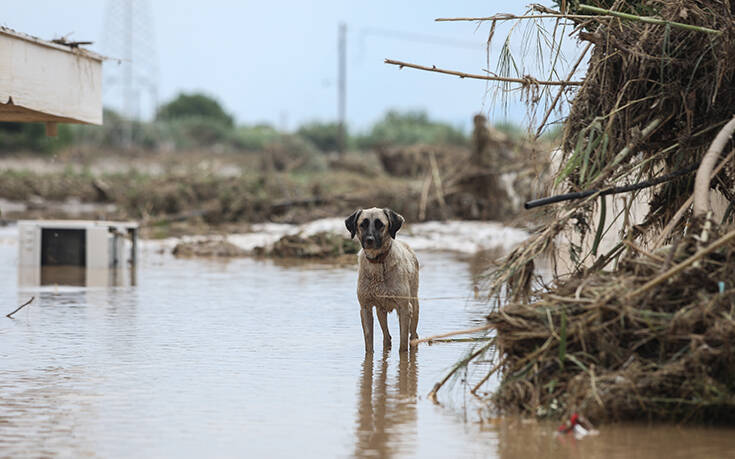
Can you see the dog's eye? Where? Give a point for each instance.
(378, 224)
(364, 224)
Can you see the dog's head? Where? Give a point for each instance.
(374, 226)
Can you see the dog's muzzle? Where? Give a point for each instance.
(371, 241)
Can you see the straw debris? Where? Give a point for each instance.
(649, 339)
(614, 345)
(644, 329)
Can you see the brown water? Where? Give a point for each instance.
(251, 358)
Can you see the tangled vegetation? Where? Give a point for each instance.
(643, 330)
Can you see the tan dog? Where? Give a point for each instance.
(388, 276)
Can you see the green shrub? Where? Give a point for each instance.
(291, 151)
(31, 137)
(325, 136)
(408, 128)
(194, 106)
(116, 132)
(253, 138)
(194, 132)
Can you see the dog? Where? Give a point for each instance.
(388, 275)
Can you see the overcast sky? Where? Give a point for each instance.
(276, 61)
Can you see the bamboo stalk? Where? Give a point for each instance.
(647, 19)
(526, 81)
(683, 265)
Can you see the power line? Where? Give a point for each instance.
(419, 38)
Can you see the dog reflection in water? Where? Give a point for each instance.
(386, 414)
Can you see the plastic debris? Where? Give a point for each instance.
(577, 425)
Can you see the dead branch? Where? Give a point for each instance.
(462, 364)
(10, 316)
(681, 266)
(461, 340)
(487, 376)
(438, 183)
(526, 81)
(512, 17)
(424, 197)
(415, 342)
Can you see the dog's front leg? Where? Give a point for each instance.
(383, 321)
(366, 314)
(404, 319)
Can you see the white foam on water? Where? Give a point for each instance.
(463, 236)
(455, 236)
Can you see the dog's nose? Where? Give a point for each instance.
(369, 239)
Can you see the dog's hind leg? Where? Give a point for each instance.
(366, 315)
(414, 317)
(383, 320)
(404, 318)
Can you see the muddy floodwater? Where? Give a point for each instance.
(254, 358)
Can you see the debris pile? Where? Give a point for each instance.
(642, 330)
(319, 245)
(653, 339)
(208, 248)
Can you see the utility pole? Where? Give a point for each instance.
(342, 88)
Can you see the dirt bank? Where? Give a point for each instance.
(184, 192)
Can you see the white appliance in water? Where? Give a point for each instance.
(76, 252)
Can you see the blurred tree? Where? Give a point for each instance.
(323, 135)
(412, 127)
(31, 137)
(253, 138)
(195, 105)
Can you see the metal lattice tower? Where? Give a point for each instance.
(131, 81)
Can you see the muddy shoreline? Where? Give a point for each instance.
(179, 193)
(327, 239)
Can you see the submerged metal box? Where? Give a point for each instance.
(82, 252)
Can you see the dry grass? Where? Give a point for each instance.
(644, 331)
(613, 345)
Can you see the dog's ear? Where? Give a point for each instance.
(395, 221)
(351, 222)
